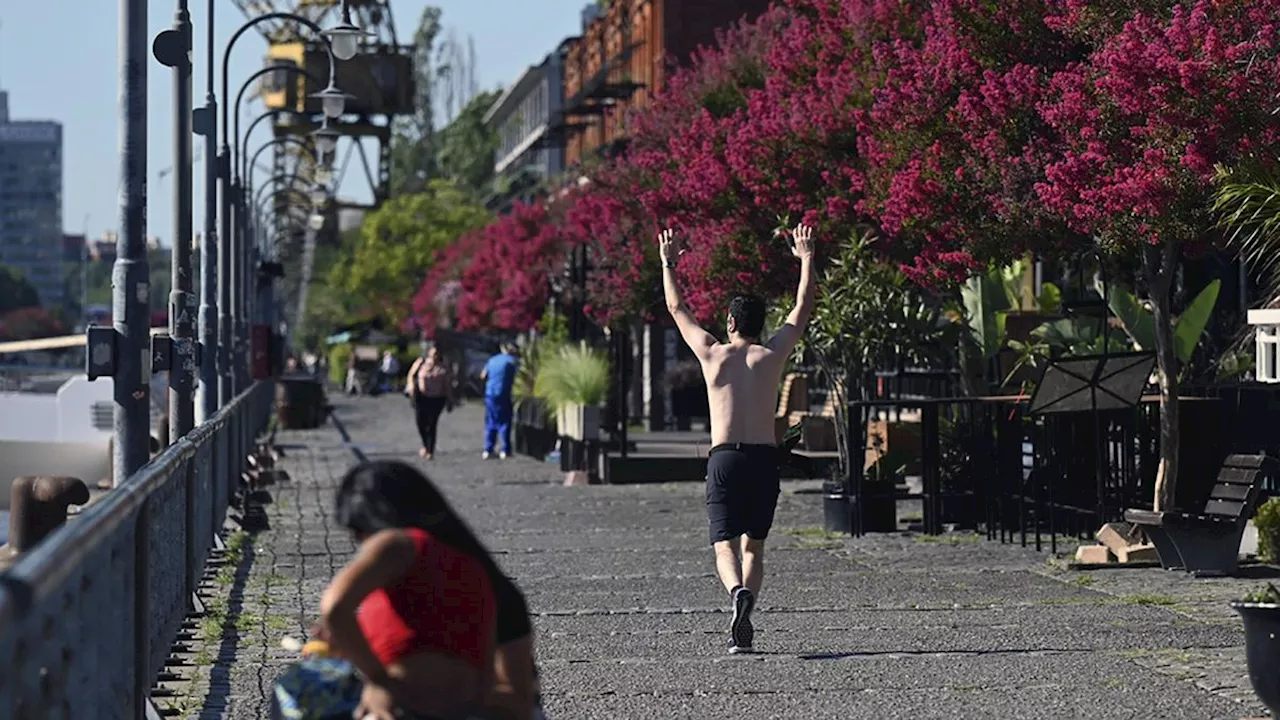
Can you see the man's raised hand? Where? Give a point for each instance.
(669, 247)
(802, 242)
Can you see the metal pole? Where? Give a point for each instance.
(225, 317)
(209, 393)
(130, 275)
(182, 299)
(237, 288)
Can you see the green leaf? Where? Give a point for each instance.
(1138, 324)
(985, 299)
(1190, 327)
(791, 438)
(1050, 300)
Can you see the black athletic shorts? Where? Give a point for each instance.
(742, 490)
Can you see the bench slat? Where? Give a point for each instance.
(1245, 461)
(1223, 491)
(1237, 476)
(1227, 508)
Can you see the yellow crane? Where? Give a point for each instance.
(381, 79)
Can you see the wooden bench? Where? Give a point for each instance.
(794, 395)
(1208, 543)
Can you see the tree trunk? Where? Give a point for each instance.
(1158, 268)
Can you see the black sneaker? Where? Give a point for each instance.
(741, 632)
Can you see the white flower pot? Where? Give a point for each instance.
(579, 422)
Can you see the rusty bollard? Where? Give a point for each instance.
(38, 506)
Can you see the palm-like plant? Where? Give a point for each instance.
(1247, 204)
(572, 375)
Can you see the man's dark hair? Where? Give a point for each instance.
(748, 313)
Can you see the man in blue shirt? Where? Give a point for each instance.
(499, 375)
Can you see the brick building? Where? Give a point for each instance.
(620, 60)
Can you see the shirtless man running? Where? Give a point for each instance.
(742, 379)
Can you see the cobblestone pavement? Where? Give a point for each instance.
(631, 623)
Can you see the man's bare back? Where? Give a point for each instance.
(742, 392)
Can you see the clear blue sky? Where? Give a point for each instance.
(59, 61)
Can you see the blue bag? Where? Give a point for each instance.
(317, 688)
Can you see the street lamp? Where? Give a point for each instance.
(345, 37)
(233, 255)
(321, 173)
(319, 195)
(326, 138)
(333, 102)
(316, 221)
(237, 144)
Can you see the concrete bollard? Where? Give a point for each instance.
(38, 506)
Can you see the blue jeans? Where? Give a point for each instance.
(497, 421)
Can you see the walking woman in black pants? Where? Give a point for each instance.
(429, 386)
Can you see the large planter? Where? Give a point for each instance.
(1262, 650)
(579, 422)
(300, 402)
(879, 507)
(837, 511)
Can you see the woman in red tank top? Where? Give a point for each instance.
(414, 615)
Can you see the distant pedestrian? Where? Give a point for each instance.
(742, 378)
(388, 371)
(430, 387)
(499, 376)
(353, 375)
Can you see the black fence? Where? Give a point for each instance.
(988, 464)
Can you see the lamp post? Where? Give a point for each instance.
(173, 49)
(269, 291)
(204, 122)
(232, 256)
(322, 171)
(126, 347)
(267, 308)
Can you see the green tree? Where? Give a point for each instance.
(15, 291)
(467, 146)
(413, 147)
(398, 243)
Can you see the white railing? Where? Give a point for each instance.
(1266, 336)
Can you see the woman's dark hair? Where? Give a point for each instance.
(390, 495)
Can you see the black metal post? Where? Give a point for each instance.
(130, 275)
(173, 49)
(226, 320)
(207, 123)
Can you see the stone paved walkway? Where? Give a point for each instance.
(631, 625)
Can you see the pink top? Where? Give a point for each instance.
(432, 380)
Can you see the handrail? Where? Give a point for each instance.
(88, 616)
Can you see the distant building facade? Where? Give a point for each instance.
(31, 203)
(620, 62)
(31, 237)
(523, 119)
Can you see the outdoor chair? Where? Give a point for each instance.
(819, 430)
(1208, 543)
(794, 395)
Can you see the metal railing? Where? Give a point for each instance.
(88, 616)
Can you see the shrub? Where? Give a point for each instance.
(338, 357)
(572, 375)
(1268, 521)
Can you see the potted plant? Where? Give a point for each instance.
(1261, 614)
(869, 315)
(573, 382)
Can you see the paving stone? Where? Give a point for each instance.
(631, 622)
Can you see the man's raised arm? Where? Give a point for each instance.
(699, 340)
(787, 336)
